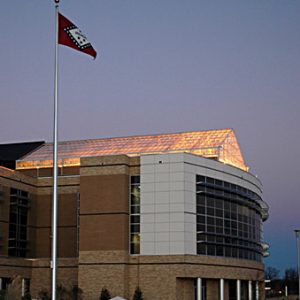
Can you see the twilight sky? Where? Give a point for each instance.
(166, 66)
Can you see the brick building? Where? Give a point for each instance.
(178, 215)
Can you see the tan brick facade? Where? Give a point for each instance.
(93, 238)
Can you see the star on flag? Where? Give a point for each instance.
(70, 35)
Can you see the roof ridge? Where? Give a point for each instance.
(141, 136)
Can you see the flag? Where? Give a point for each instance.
(70, 35)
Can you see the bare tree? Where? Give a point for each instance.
(271, 273)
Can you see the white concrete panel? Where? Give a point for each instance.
(190, 248)
(176, 157)
(190, 197)
(190, 177)
(147, 227)
(147, 159)
(145, 169)
(162, 168)
(189, 218)
(162, 217)
(162, 227)
(190, 186)
(147, 218)
(147, 187)
(147, 209)
(177, 236)
(148, 237)
(162, 208)
(188, 207)
(162, 177)
(162, 197)
(176, 247)
(176, 207)
(176, 226)
(177, 196)
(147, 178)
(162, 236)
(177, 217)
(147, 248)
(190, 168)
(190, 227)
(176, 176)
(162, 248)
(161, 158)
(177, 186)
(147, 198)
(162, 186)
(176, 167)
(190, 237)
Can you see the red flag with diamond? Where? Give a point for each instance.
(70, 35)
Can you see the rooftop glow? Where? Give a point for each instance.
(218, 144)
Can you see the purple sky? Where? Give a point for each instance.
(166, 66)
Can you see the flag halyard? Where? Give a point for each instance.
(71, 36)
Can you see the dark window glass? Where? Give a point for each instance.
(210, 180)
(17, 239)
(219, 230)
(200, 178)
(211, 221)
(135, 197)
(219, 213)
(210, 211)
(219, 251)
(210, 229)
(201, 210)
(200, 199)
(219, 222)
(201, 249)
(211, 250)
(135, 209)
(211, 238)
(219, 203)
(135, 219)
(222, 221)
(135, 228)
(201, 219)
(135, 180)
(201, 227)
(218, 182)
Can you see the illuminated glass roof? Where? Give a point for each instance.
(219, 144)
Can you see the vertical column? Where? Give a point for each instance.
(199, 288)
(256, 290)
(249, 290)
(0, 283)
(23, 287)
(221, 289)
(238, 289)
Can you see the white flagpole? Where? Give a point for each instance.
(55, 165)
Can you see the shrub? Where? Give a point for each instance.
(44, 295)
(27, 296)
(138, 295)
(105, 295)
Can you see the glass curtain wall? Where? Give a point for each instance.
(229, 220)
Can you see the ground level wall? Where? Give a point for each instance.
(159, 277)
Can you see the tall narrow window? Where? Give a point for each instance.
(17, 240)
(135, 214)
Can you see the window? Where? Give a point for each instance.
(18, 217)
(228, 220)
(135, 221)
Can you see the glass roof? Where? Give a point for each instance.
(219, 144)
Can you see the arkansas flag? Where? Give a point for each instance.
(69, 35)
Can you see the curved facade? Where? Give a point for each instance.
(178, 215)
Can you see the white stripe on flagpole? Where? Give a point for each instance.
(55, 166)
